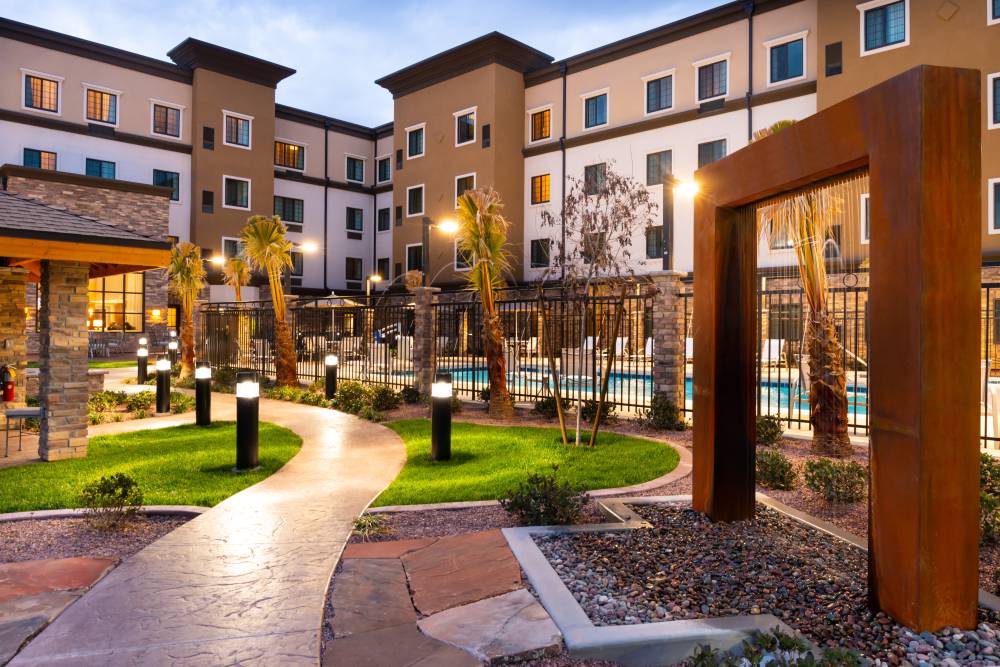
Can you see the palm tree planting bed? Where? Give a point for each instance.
(37, 539)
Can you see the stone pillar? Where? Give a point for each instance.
(668, 335)
(63, 383)
(13, 335)
(424, 337)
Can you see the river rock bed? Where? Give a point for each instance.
(687, 567)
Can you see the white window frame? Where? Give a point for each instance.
(293, 142)
(406, 137)
(865, 201)
(180, 186)
(475, 121)
(423, 201)
(991, 213)
(606, 91)
(249, 192)
(531, 112)
(364, 170)
(672, 73)
(383, 231)
(875, 4)
(222, 244)
(711, 140)
(25, 147)
(455, 188)
(645, 164)
(454, 264)
(407, 255)
(990, 124)
(378, 159)
(989, 14)
(711, 60)
(531, 177)
(786, 39)
(180, 123)
(59, 92)
(102, 89)
(234, 114)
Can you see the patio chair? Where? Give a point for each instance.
(621, 347)
(531, 346)
(18, 414)
(688, 349)
(770, 352)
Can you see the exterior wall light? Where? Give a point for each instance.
(247, 420)
(687, 189)
(203, 393)
(441, 417)
(331, 375)
(163, 366)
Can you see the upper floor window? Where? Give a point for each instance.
(539, 253)
(866, 219)
(102, 106)
(993, 202)
(100, 168)
(168, 179)
(993, 9)
(166, 120)
(540, 189)
(355, 169)
(355, 219)
(463, 184)
(415, 200)
(541, 125)
(595, 178)
(884, 25)
(414, 141)
(289, 209)
(383, 222)
(238, 129)
(232, 247)
(384, 172)
(713, 78)
(786, 60)
(993, 100)
(236, 192)
(41, 92)
(710, 151)
(659, 166)
(465, 126)
(463, 258)
(659, 93)
(39, 159)
(415, 257)
(289, 155)
(354, 268)
(595, 110)
(298, 263)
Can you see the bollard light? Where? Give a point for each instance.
(162, 386)
(172, 349)
(173, 333)
(143, 342)
(203, 393)
(247, 416)
(142, 359)
(441, 417)
(331, 375)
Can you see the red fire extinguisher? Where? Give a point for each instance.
(7, 375)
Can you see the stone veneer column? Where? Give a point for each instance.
(424, 361)
(668, 335)
(13, 338)
(63, 385)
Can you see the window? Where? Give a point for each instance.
(993, 100)
(834, 58)
(102, 106)
(540, 189)
(166, 120)
(384, 169)
(659, 167)
(784, 321)
(168, 179)
(41, 93)
(39, 159)
(710, 151)
(383, 223)
(993, 204)
(208, 138)
(786, 59)
(654, 242)
(541, 125)
(486, 135)
(539, 253)
(289, 155)
(382, 268)
(463, 258)
(207, 201)
(595, 111)
(884, 25)
(415, 257)
(232, 247)
(116, 303)
(465, 127)
(594, 178)
(778, 238)
(355, 169)
(298, 261)
(289, 209)
(355, 219)
(713, 79)
(993, 10)
(414, 142)
(866, 219)
(100, 168)
(237, 129)
(463, 184)
(415, 200)
(236, 192)
(659, 93)
(594, 243)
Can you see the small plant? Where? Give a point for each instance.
(351, 397)
(769, 430)
(588, 409)
(103, 401)
(663, 413)
(224, 379)
(111, 500)
(989, 474)
(384, 398)
(775, 470)
(989, 518)
(371, 414)
(542, 500)
(94, 417)
(456, 404)
(410, 395)
(181, 402)
(370, 525)
(546, 407)
(836, 481)
(484, 395)
(142, 400)
(773, 648)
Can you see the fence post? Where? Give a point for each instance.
(668, 335)
(424, 338)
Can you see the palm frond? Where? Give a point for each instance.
(265, 246)
(772, 129)
(186, 273)
(482, 236)
(236, 274)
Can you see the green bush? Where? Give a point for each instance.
(110, 500)
(224, 379)
(94, 417)
(769, 430)
(351, 397)
(546, 407)
(384, 398)
(542, 500)
(663, 413)
(484, 395)
(989, 518)
(588, 409)
(371, 414)
(775, 470)
(836, 481)
(410, 395)
(142, 400)
(313, 398)
(181, 402)
(103, 401)
(989, 474)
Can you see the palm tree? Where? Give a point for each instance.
(186, 273)
(482, 237)
(236, 274)
(266, 249)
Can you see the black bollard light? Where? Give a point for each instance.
(247, 416)
(162, 386)
(331, 375)
(441, 417)
(203, 393)
(142, 362)
(172, 349)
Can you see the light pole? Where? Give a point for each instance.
(203, 393)
(162, 386)
(441, 417)
(447, 226)
(373, 278)
(247, 420)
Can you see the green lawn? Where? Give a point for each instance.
(489, 461)
(97, 364)
(180, 465)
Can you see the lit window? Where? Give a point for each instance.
(39, 159)
(659, 94)
(168, 179)
(102, 107)
(237, 192)
(415, 142)
(595, 178)
(595, 111)
(465, 127)
(289, 209)
(539, 253)
(713, 80)
(710, 151)
(355, 219)
(540, 189)
(237, 131)
(654, 242)
(658, 167)
(166, 120)
(415, 200)
(289, 155)
(116, 303)
(786, 61)
(384, 170)
(884, 24)
(355, 169)
(354, 268)
(100, 168)
(41, 93)
(541, 125)
(383, 223)
(463, 184)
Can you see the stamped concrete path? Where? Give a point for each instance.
(245, 582)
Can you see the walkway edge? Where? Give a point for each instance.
(148, 510)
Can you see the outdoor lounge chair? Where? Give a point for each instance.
(770, 352)
(688, 349)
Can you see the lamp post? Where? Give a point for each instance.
(142, 361)
(441, 417)
(162, 386)
(446, 226)
(331, 376)
(203, 393)
(247, 417)
(172, 350)
(373, 278)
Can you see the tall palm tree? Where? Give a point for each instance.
(482, 237)
(186, 273)
(236, 274)
(266, 249)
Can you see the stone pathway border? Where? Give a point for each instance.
(148, 510)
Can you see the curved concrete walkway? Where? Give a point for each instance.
(245, 582)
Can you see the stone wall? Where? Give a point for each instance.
(424, 338)
(12, 325)
(668, 335)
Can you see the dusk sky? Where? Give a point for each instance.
(340, 48)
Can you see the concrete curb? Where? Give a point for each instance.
(149, 510)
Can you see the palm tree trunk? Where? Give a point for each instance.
(553, 371)
(286, 374)
(501, 405)
(606, 372)
(827, 388)
(187, 341)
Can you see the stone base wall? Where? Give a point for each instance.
(424, 338)
(13, 350)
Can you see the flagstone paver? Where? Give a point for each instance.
(396, 646)
(390, 549)
(57, 574)
(371, 594)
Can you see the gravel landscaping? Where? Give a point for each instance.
(689, 568)
(37, 539)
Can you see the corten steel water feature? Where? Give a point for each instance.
(919, 136)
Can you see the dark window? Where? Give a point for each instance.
(232, 248)
(289, 155)
(100, 168)
(383, 223)
(995, 14)
(397, 270)
(593, 245)
(595, 178)
(168, 179)
(463, 184)
(995, 83)
(787, 61)
(384, 170)
(595, 110)
(465, 128)
(659, 167)
(237, 193)
(415, 200)
(834, 58)
(355, 219)
(463, 258)
(166, 120)
(486, 135)
(414, 258)
(237, 131)
(289, 209)
(399, 215)
(415, 142)
(659, 94)
(996, 322)
(102, 107)
(866, 218)
(297, 262)
(399, 158)
(41, 94)
(539, 253)
(996, 206)
(541, 125)
(710, 151)
(207, 201)
(208, 138)
(779, 239)
(885, 25)
(355, 169)
(712, 80)
(784, 321)
(540, 188)
(382, 268)
(654, 242)
(39, 159)
(116, 303)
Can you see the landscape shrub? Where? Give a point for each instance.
(546, 407)
(542, 500)
(142, 400)
(774, 647)
(95, 417)
(224, 379)
(410, 395)
(588, 409)
(370, 525)
(836, 481)
(989, 499)
(351, 397)
(312, 398)
(663, 413)
(111, 500)
(102, 401)
(456, 404)
(775, 470)
(484, 395)
(371, 414)
(384, 398)
(769, 430)
(180, 403)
